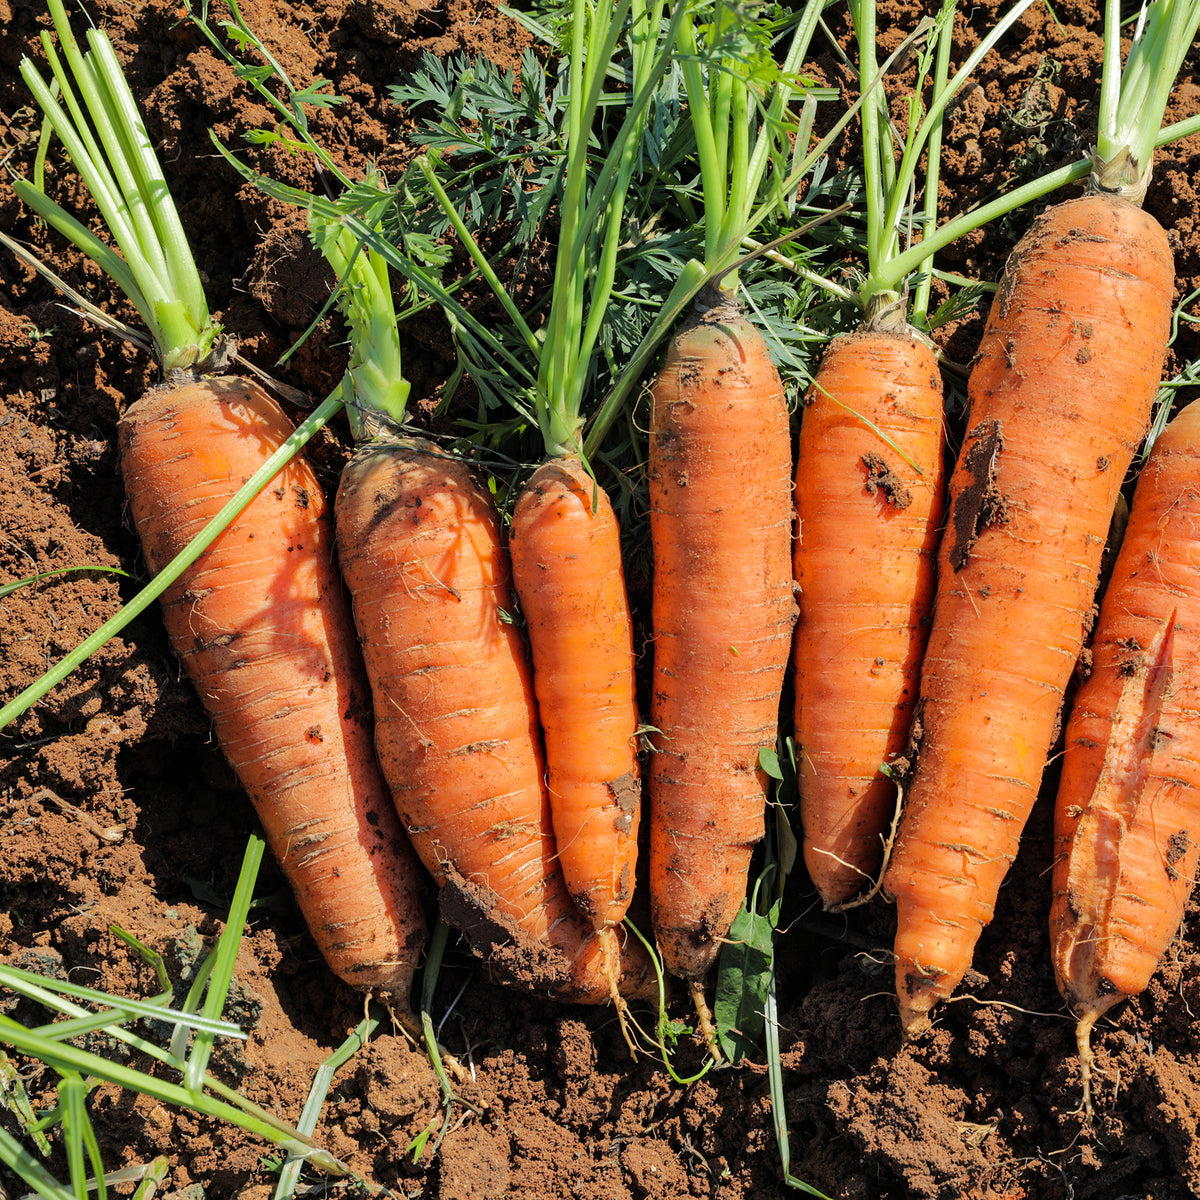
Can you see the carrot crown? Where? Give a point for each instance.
(373, 388)
(893, 218)
(1134, 101)
(102, 131)
(738, 102)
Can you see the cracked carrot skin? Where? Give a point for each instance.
(262, 624)
(456, 730)
(867, 530)
(1127, 816)
(723, 610)
(566, 560)
(1059, 399)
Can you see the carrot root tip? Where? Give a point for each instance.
(704, 1019)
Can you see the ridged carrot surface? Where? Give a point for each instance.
(1060, 395)
(723, 610)
(262, 624)
(566, 560)
(456, 719)
(1127, 818)
(868, 526)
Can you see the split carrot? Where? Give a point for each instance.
(259, 619)
(1060, 397)
(1128, 802)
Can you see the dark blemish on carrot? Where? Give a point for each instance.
(1102, 463)
(979, 504)
(313, 735)
(625, 793)
(882, 479)
(1177, 847)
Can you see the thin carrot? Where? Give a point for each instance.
(566, 562)
(1128, 802)
(259, 619)
(1060, 397)
(456, 719)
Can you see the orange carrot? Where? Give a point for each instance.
(456, 720)
(1128, 803)
(723, 609)
(1059, 399)
(567, 570)
(868, 520)
(261, 623)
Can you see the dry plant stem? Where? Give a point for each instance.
(456, 720)
(1129, 800)
(723, 609)
(1059, 399)
(869, 517)
(262, 626)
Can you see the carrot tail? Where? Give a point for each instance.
(261, 623)
(567, 571)
(869, 488)
(456, 720)
(1054, 421)
(723, 610)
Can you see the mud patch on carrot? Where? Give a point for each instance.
(881, 479)
(625, 792)
(980, 503)
(510, 955)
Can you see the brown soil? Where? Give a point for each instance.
(982, 1107)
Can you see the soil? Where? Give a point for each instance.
(116, 808)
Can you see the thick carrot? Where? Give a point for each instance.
(1128, 805)
(723, 609)
(1059, 399)
(868, 521)
(262, 625)
(456, 720)
(567, 570)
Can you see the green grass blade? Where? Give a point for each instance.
(224, 959)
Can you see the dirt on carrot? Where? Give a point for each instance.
(981, 1109)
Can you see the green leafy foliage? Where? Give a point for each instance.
(744, 978)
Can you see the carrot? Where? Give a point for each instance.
(719, 472)
(869, 483)
(1129, 798)
(567, 569)
(456, 719)
(1060, 396)
(869, 517)
(262, 626)
(723, 608)
(259, 619)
